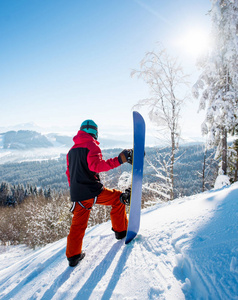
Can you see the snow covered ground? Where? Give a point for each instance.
(186, 249)
(40, 154)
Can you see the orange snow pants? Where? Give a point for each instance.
(81, 215)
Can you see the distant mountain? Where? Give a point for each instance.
(32, 139)
(60, 140)
(24, 139)
(29, 139)
(25, 126)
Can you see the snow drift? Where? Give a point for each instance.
(186, 249)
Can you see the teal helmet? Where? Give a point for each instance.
(90, 127)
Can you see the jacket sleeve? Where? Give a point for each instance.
(97, 164)
(67, 171)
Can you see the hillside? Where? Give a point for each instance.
(186, 249)
(50, 173)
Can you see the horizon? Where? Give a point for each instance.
(153, 138)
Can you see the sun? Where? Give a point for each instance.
(194, 41)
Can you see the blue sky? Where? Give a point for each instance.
(65, 61)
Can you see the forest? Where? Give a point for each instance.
(50, 174)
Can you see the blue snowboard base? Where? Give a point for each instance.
(137, 175)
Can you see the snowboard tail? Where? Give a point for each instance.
(130, 236)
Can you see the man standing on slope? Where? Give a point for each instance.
(84, 162)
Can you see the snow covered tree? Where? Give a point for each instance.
(218, 82)
(46, 221)
(233, 161)
(124, 181)
(207, 173)
(161, 168)
(165, 78)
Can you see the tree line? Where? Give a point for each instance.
(11, 195)
(40, 218)
(188, 171)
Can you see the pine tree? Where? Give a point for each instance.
(4, 193)
(219, 79)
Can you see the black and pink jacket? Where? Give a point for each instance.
(84, 163)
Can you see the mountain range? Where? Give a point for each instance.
(28, 139)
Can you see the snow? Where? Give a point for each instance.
(221, 181)
(39, 154)
(186, 249)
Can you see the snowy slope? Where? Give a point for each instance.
(186, 249)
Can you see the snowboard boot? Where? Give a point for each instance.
(125, 197)
(74, 260)
(120, 235)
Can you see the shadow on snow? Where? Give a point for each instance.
(101, 269)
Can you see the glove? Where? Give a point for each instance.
(125, 156)
(125, 198)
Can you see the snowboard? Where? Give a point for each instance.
(137, 176)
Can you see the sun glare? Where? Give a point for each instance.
(194, 42)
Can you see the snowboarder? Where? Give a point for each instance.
(84, 163)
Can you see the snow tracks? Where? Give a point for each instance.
(186, 249)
